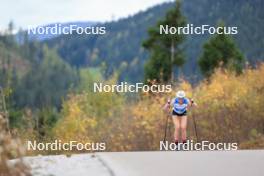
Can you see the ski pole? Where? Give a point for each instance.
(195, 128)
(166, 126)
(194, 121)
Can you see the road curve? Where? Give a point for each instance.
(182, 163)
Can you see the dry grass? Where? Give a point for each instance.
(10, 148)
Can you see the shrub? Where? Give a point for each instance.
(10, 148)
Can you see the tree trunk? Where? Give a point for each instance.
(172, 59)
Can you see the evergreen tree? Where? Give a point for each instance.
(47, 83)
(165, 50)
(220, 50)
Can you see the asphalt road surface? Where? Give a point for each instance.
(182, 163)
(192, 163)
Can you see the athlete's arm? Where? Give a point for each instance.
(166, 107)
(191, 103)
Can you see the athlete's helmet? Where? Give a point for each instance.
(180, 94)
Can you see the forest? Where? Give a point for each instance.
(121, 48)
(47, 86)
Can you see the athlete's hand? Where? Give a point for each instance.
(193, 103)
(166, 107)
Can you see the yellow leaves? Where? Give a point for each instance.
(85, 117)
(93, 122)
(226, 105)
(227, 88)
(184, 85)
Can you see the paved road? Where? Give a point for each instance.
(205, 163)
(60, 165)
(191, 163)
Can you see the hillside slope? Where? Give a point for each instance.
(121, 46)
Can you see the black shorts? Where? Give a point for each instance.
(177, 114)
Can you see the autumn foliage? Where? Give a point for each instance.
(230, 109)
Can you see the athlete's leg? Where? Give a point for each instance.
(183, 127)
(176, 122)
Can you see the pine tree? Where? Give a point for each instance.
(220, 50)
(165, 50)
